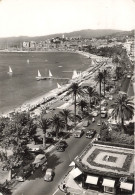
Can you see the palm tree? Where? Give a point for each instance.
(105, 76)
(92, 94)
(58, 123)
(44, 124)
(82, 104)
(99, 79)
(76, 90)
(66, 114)
(123, 109)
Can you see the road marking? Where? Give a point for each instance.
(55, 192)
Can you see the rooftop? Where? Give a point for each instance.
(107, 160)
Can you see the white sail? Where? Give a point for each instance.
(58, 85)
(10, 70)
(28, 61)
(74, 74)
(39, 75)
(92, 62)
(50, 74)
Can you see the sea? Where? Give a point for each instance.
(22, 85)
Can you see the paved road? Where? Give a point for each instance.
(59, 161)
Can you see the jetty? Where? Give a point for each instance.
(39, 77)
(54, 78)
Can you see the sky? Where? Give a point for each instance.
(44, 17)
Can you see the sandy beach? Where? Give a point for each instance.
(36, 105)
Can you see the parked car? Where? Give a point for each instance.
(110, 97)
(49, 175)
(24, 173)
(39, 160)
(90, 133)
(62, 144)
(95, 113)
(128, 76)
(98, 123)
(60, 148)
(103, 113)
(78, 133)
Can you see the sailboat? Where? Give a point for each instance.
(50, 74)
(39, 77)
(10, 71)
(74, 74)
(28, 61)
(58, 85)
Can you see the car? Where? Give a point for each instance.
(90, 133)
(103, 113)
(62, 144)
(49, 175)
(95, 113)
(60, 149)
(24, 173)
(98, 123)
(110, 97)
(128, 76)
(78, 133)
(39, 160)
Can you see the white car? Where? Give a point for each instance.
(95, 113)
(78, 133)
(111, 97)
(128, 76)
(39, 160)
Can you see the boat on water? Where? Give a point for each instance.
(10, 72)
(50, 74)
(75, 75)
(58, 85)
(28, 61)
(39, 77)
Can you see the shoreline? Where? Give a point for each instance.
(38, 101)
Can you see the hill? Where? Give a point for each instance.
(87, 33)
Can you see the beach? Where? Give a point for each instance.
(59, 95)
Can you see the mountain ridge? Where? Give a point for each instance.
(85, 33)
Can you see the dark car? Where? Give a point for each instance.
(90, 133)
(61, 146)
(24, 173)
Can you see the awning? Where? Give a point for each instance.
(108, 183)
(92, 180)
(75, 172)
(72, 164)
(126, 186)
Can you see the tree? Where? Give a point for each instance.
(122, 109)
(58, 123)
(92, 94)
(105, 76)
(76, 90)
(82, 104)
(99, 79)
(66, 114)
(104, 133)
(44, 124)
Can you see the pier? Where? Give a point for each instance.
(53, 78)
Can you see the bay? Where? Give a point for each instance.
(22, 85)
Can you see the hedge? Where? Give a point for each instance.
(115, 144)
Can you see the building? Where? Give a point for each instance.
(26, 44)
(103, 169)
